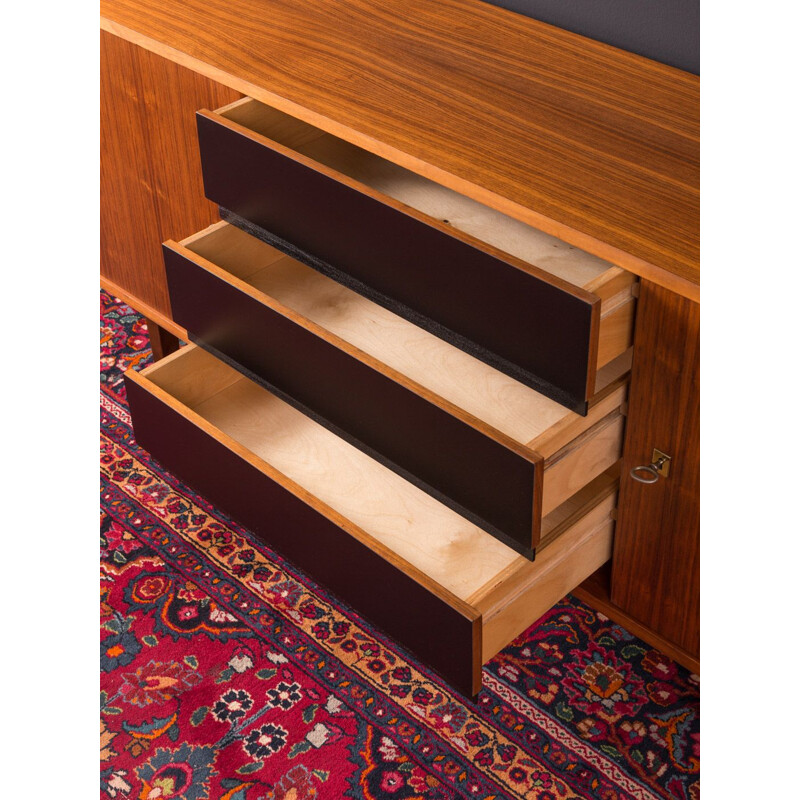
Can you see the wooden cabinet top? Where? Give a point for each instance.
(594, 145)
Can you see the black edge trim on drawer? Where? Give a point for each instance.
(439, 634)
(477, 476)
(539, 333)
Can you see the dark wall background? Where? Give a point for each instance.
(664, 30)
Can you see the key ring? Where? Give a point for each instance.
(657, 468)
(649, 469)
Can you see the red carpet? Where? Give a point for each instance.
(226, 673)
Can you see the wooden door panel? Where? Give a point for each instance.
(150, 181)
(172, 94)
(656, 565)
(130, 253)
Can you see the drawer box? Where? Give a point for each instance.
(492, 449)
(533, 307)
(445, 589)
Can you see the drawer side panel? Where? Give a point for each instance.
(439, 634)
(541, 334)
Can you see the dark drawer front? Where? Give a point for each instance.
(483, 475)
(445, 635)
(534, 327)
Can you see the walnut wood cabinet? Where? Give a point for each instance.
(626, 194)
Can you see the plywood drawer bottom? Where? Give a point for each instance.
(444, 588)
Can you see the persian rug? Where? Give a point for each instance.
(228, 674)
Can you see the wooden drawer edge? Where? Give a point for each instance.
(181, 249)
(535, 587)
(241, 260)
(219, 117)
(580, 461)
(484, 621)
(217, 294)
(616, 332)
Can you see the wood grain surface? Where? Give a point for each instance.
(656, 573)
(129, 252)
(150, 183)
(590, 144)
(582, 460)
(536, 587)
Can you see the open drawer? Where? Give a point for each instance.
(445, 589)
(533, 307)
(492, 449)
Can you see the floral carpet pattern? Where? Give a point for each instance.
(228, 674)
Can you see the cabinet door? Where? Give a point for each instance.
(656, 564)
(150, 183)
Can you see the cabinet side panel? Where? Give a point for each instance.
(656, 573)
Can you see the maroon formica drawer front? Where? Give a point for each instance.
(440, 629)
(525, 322)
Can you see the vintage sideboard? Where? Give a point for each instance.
(463, 181)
